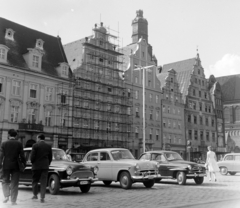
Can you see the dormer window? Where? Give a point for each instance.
(35, 61)
(9, 34)
(39, 44)
(3, 53)
(63, 70)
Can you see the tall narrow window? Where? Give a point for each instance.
(190, 134)
(213, 137)
(14, 114)
(33, 91)
(157, 134)
(150, 97)
(136, 94)
(136, 132)
(2, 53)
(196, 135)
(1, 84)
(207, 136)
(206, 121)
(35, 61)
(16, 87)
(150, 133)
(49, 94)
(137, 112)
(157, 115)
(48, 118)
(157, 98)
(32, 115)
(201, 135)
(151, 114)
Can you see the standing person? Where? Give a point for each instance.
(212, 164)
(41, 157)
(10, 151)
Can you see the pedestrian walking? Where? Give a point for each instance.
(10, 152)
(212, 164)
(41, 157)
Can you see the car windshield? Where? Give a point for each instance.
(173, 156)
(121, 154)
(59, 155)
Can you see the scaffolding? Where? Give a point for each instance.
(95, 112)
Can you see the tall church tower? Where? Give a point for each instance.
(139, 27)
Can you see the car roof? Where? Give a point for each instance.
(30, 148)
(234, 153)
(106, 149)
(160, 151)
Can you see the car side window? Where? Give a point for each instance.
(158, 157)
(92, 156)
(145, 157)
(237, 157)
(229, 157)
(104, 156)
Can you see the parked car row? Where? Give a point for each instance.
(115, 165)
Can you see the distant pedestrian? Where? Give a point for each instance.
(10, 151)
(41, 158)
(212, 164)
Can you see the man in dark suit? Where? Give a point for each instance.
(10, 151)
(41, 157)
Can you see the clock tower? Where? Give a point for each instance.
(139, 27)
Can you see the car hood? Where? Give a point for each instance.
(65, 164)
(143, 165)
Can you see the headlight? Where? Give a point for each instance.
(189, 167)
(137, 167)
(69, 170)
(95, 170)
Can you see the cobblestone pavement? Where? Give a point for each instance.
(223, 193)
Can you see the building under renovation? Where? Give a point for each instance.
(99, 106)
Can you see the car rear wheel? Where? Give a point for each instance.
(199, 180)
(232, 173)
(125, 180)
(107, 183)
(148, 184)
(53, 184)
(181, 178)
(85, 188)
(223, 170)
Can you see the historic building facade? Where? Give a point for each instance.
(230, 86)
(32, 65)
(200, 120)
(138, 54)
(172, 107)
(101, 102)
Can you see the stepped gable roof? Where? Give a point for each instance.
(230, 86)
(184, 70)
(74, 53)
(25, 38)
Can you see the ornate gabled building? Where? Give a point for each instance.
(200, 120)
(101, 103)
(172, 107)
(32, 66)
(139, 53)
(230, 86)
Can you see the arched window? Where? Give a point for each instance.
(237, 114)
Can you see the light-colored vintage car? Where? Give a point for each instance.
(118, 164)
(230, 164)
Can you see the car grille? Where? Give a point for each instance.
(147, 172)
(197, 169)
(82, 174)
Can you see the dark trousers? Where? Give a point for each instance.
(39, 176)
(10, 188)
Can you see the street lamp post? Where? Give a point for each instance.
(138, 67)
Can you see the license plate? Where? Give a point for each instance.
(83, 182)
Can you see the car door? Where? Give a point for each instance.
(91, 159)
(237, 163)
(228, 162)
(163, 169)
(105, 166)
(26, 176)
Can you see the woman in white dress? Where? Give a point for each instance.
(212, 164)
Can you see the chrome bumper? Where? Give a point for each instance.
(147, 177)
(75, 180)
(196, 175)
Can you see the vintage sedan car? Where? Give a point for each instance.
(172, 166)
(118, 164)
(62, 173)
(230, 164)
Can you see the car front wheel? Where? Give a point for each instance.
(125, 180)
(223, 170)
(181, 178)
(107, 183)
(53, 184)
(85, 188)
(148, 184)
(232, 173)
(199, 180)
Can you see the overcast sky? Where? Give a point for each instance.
(176, 28)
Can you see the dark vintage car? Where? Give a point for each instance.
(172, 166)
(62, 173)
